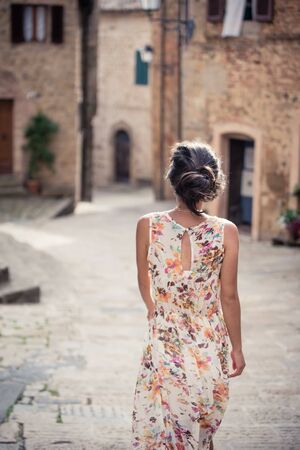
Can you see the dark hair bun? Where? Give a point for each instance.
(195, 173)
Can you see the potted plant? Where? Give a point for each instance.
(290, 218)
(38, 134)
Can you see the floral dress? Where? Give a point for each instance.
(182, 387)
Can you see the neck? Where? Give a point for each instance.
(180, 204)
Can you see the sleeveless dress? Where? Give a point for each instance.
(182, 386)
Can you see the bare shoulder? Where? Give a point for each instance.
(231, 231)
(144, 221)
(228, 225)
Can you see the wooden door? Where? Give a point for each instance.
(6, 109)
(122, 156)
(236, 161)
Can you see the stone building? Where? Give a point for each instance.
(41, 70)
(239, 91)
(122, 126)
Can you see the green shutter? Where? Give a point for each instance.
(141, 69)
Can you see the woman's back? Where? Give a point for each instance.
(196, 288)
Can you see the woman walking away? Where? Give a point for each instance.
(187, 265)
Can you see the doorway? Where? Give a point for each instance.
(6, 157)
(240, 188)
(122, 156)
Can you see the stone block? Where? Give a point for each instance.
(9, 433)
(10, 392)
(20, 295)
(4, 274)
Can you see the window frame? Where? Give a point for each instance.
(54, 33)
(218, 15)
(268, 17)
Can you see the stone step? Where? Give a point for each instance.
(29, 208)
(12, 191)
(4, 274)
(19, 293)
(11, 186)
(9, 180)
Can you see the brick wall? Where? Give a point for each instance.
(52, 71)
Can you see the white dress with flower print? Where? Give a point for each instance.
(182, 386)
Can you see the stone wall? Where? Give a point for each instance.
(52, 72)
(247, 83)
(121, 103)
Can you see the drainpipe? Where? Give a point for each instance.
(162, 103)
(179, 75)
(86, 8)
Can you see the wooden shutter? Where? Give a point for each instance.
(6, 153)
(263, 10)
(16, 23)
(215, 10)
(141, 69)
(57, 24)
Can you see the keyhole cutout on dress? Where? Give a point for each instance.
(186, 252)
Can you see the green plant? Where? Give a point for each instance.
(8, 411)
(291, 220)
(59, 416)
(38, 134)
(289, 215)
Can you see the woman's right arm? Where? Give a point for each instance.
(142, 244)
(229, 295)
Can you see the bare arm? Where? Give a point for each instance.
(142, 245)
(229, 295)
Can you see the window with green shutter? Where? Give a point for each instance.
(141, 69)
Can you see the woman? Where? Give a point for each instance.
(187, 273)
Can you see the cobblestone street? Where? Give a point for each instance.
(77, 352)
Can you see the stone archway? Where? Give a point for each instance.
(21, 111)
(295, 161)
(122, 154)
(121, 130)
(222, 136)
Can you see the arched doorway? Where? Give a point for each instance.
(122, 156)
(240, 178)
(240, 148)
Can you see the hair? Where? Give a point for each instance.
(195, 173)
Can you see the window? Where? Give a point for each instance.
(215, 10)
(29, 23)
(141, 69)
(263, 10)
(34, 23)
(248, 10)
(259, 10)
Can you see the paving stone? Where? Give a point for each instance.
(10, 446)
(9, 433)
(10, 392)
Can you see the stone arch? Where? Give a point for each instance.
(295, 159)
(221, 135)
(122, 130)
(22, 110)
